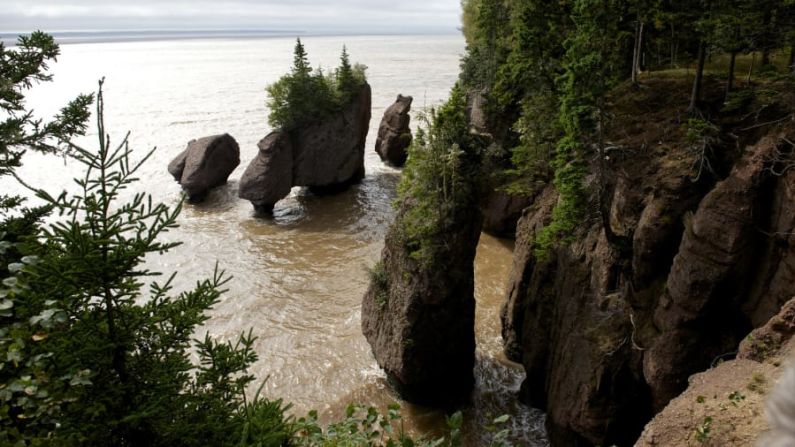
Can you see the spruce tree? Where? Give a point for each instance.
(111, 356)
(346, 83)
(301, 67)
(26, 405)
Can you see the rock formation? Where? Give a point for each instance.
(609, 335)
(479, 119)
(205, 164)
(726, 402)
(326, 154)
(394, 134)
(419, 320)
(502, 211)
(419, 312)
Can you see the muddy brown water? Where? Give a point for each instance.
(299, 276)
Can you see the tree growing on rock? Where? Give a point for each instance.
(418, 314)
(306, 95)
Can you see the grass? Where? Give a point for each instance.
(757, 383)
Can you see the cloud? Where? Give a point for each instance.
(307, 15)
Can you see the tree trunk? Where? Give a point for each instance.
(696, 95)
(792, 59)
(635, 53)
(641, 55)
(673, 46)
(732, 65)
(751, 68)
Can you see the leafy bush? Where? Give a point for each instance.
(304, 95)
(366, 427)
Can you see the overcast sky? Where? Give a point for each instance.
(312, 16)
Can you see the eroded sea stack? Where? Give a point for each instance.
(394, 134)
(420, 319)
(325, 154)
(419, 312)
(205, 164)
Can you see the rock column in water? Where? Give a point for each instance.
(419, 319)
(326, 155)
(205, 164)
(394, 134)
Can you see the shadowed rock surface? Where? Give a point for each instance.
(269, 177)
(502, 211)
(205, 164)
(325, 155)
(394, 134)
(420, 321)
(608, 335)
(732, 394)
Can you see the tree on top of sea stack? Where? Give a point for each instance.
(320, 122)
(305, 95)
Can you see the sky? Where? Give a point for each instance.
(310, 16)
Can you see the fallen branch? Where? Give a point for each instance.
(765, 124)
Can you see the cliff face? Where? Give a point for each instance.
(725, 405)
(609, 335)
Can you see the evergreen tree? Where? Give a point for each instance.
(303, 96)
(346, 83)
(25, 405)
(106, 360)
(301, 67)
(731, 30)
(593, 66)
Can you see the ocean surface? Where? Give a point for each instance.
(299, 277)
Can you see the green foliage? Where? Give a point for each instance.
(548, 67)
(380, 281)
(20, 69)
(368, 427)
(735, 397)
(305, 95)
(27, 402)
(704, 430)
(440, 180)
(361, 427)
(699, 131)
(738, 100)
(92, 357)
(264, 422)
(757, 384)
(591, 71)
(485, 30)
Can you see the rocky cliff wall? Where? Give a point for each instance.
(609, 335)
